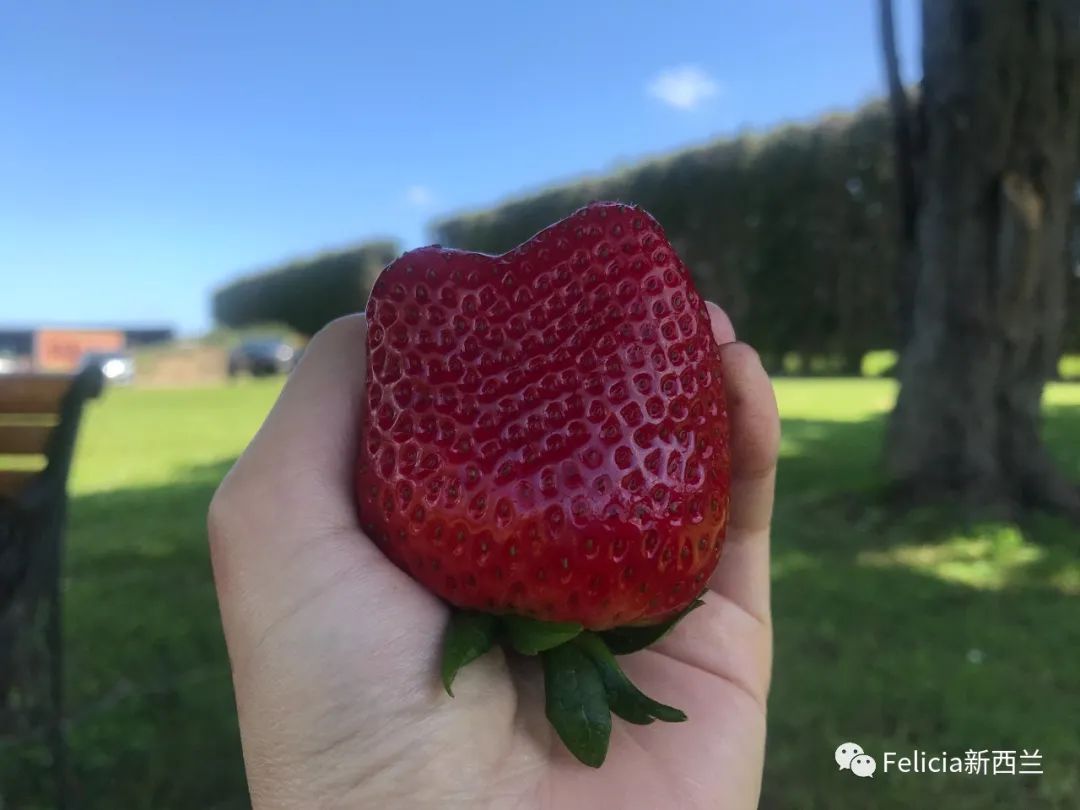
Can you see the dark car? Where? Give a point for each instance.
(261, 358)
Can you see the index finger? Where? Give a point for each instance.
(743, 573)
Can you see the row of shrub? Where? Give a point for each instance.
(794, 231)
(306, 294)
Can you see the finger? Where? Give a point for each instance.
(743, 573)
(723, 331)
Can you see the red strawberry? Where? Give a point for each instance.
(546, 437)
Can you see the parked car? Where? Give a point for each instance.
(262, 357)
(118, 368)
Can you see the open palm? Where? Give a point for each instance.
(335, 651)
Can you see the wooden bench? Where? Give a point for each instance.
(39, 421)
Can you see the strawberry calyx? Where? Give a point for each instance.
(583, 683)
(631, 638)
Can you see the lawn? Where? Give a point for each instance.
(895, 633)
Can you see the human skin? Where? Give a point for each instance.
(335, 651)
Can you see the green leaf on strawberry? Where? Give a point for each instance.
(577, 703)
(625, 640)
(468, 636)
(625, 699)
(531, 636)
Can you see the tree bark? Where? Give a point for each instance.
(1001, 93)
(905, 157)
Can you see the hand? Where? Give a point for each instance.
(335, 651)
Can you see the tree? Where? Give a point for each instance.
(996, 177)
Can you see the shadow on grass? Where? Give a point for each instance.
(896, 660)
(150, 713)
(121, 532)
(916, 631)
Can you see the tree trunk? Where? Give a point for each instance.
(905, 152)
(1001, 93)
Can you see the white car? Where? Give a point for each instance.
(10, 364)
(117, 368)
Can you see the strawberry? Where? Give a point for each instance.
(545, 447)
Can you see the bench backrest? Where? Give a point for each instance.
(39, 415)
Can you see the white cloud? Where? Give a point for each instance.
(419, 196)
(684, 87)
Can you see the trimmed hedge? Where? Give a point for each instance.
(793, 232)
(305, 295)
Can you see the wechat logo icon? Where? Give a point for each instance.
(851, 757)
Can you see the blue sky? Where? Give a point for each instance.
(151, 151)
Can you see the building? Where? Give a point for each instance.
(61, 348)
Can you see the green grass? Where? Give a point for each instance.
(878, 364)
(1069, 367)
(914, 633)
(918, 632)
